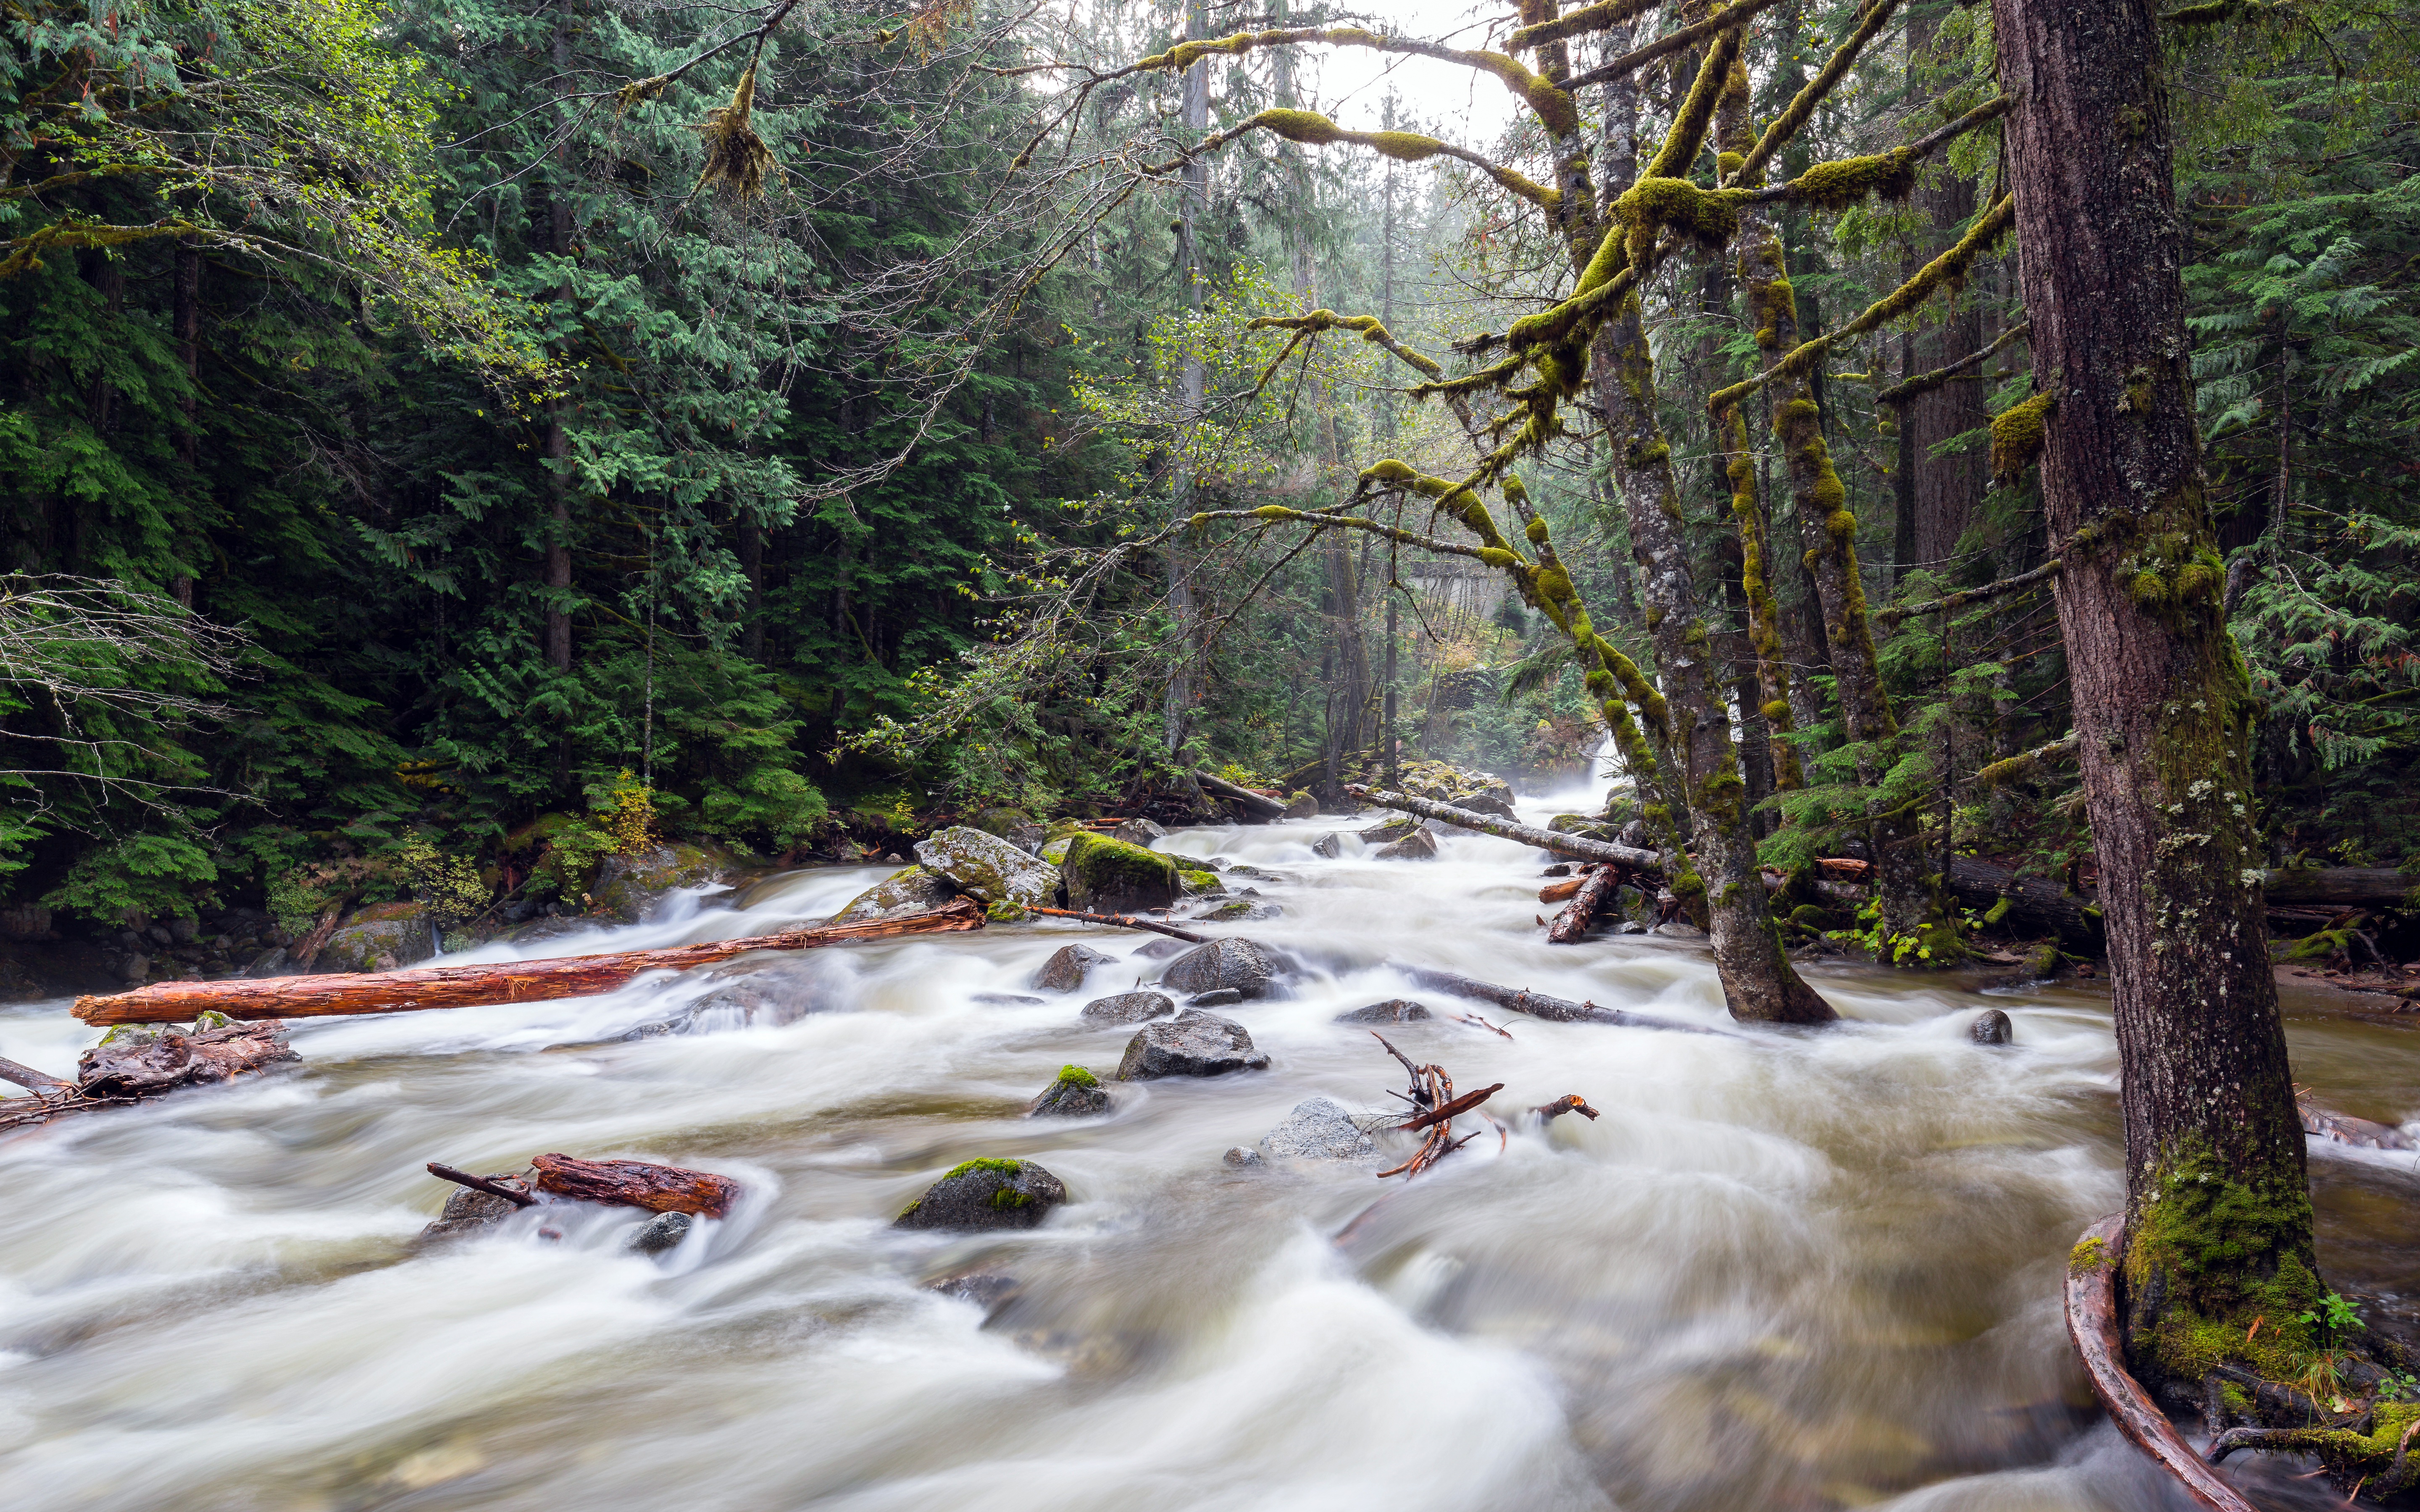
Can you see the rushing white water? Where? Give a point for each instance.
(1785, 1269)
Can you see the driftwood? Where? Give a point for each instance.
(1562, 891)
(1571, 926)
(1571, 1102)
(1435, 1107)
(1538, 1005)
(1242, 797)
(480, 1183)
(2092, 1323)
(148, 1066)
(1546, 840)
(32, 1080)
(2327, 1123)
(518, 982)
(633, 1183)
(1125, 921)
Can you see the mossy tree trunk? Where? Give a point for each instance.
(2218, 1209)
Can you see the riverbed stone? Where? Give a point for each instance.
(1161, 948)
(1992, 1026)
(1393, 1011)
(986, 1194)
(1139, 832)
(1487, 801)
(1392, 829)
(1243, 1157)
(1201, 883)
(664, 1231)
(1067, 968)
(629, 888)
(1193, 1043)
(1128, 1007)
(1243, 966)
(916, 891)
(1106, 875)
(373, 936)
(1217, 997)
(1015, 825)
(1586, 827)
(1301, 806)
(1419, 845)
(1076, 1094)
(1679, 930)
(1318, 1129)
(1330, 846)
(468, 1212)
(771, 989)
(988, 867)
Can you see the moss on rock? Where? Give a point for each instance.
(1109, 876)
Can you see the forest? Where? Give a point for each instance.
(1937, 478)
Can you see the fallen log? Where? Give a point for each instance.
(32, 1080)
(1452, 1110)
(1123, 922)
(2092, 1323)
(148, 1066)
(516, 981)
(1546, 840)
(480, 1183)
(2327, 1123)
(1243, 797)
(1569, 1102)
(1538, 1005)
(2377, 886)
(2034, 901)
(633, 1183)
(1556, 892)
(1571, 926)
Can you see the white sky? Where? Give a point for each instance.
(1469, 108)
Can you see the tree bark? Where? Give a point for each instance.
(1571, 926)
(2218, 1209)
(517, 982)
(630, 1184)
(1943, 491)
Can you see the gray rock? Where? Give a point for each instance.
(1139, 832)
(1160, 950)
(1239, 910)
(1128, 1007)
(136, 967)
(1330, 846)
(182, 931)
(1637, 835)
(985, 1291)
(1198, 883)
(1990, 1027)
(1065, 970)
(1419, 845)
(1219, 997)
(468, 1212)
(377, 934)
(628, 888)
(1245, 966)
(1631, 926)
(1104, 874)
(775, 990)
(1393, 1011)
(1583, 826)
(270, 963)
(1004, 999)
(1242, 1158)
(1193, 1043)
(1677, 930)
(1318, 1129)
(1077, 1094)
(1392, 829)
(1486, 802)
(1252, 872)
(1301, 806)
(915, 891)
(1015, 825)
(986, 1194)
(990, 868)
(663, 1231)
(1634, 906)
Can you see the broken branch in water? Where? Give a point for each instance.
(1571, 926)
(1546, 840)
(1125, 921)
(633, 1183)
(32, 1080)
(480, 1183)
(1573, 1103)
(1538, 1005)
(1477, 1022)
(517, 982)
(1452, 1110)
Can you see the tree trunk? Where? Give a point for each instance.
(1193, 206)
(1942, 491)
(1571, 926)
(185, 325)
(2218, 1209)
(1488, 824)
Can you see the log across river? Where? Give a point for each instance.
(1783, 1269)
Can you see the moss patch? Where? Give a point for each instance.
(1078, 1076)
(2017, 435)
(1006, 1168)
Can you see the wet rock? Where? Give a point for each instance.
(988, 867)
(383, 931)
(1631, 926)
(1393, 1011)
(1392, 829)
(1635, 906)
(135, 967)
(1678, 929)
(1487, 802)
(918, 889)
(1243, 1158)
(1990, 1027)
(1560, 868)
(1419, 845)
(1240, 910)
(1217, 997)
(1301, 806)
(1015, 825)
(985, 1194)
(552, 927)
(1077, 1094)
(1160, 950)
(1128, 1007)
(1330, 846)
(468, 1213)
(1447, 783)
(1067, 968)
(2042, 962)
(1139, 832)
(629, 888)
(1199, 884)
(1244, 966)
(774, 991)
(1637, 835)
(664, 1231)
(133, 1062)
(1583, 826)
(1317, 1128)
(1193, 1043)
(1251, 873)
(1106, 875)
(1004, 999)
(985, 1288)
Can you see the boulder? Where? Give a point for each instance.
(1015, 825)
(1395, 828)
(1679, 930)
(379, 938)
(1105, 876)
(1487, 801)
(1585, 828)
(628, 888)
(1128, 1007)
(468, 1212)
(1243, 1159)
(1077, 1094)
(770, 990)
(1239, 910)
(985, 1194)
(1139, 832)
(1635, 906)
(1330, 846)
(132, 1062)
(1637, 836)
(1215, 998)
(1246, 966)
(1990, 1027)
(1318, 1129)
(1193, 1043)
(1159, 950)
(1393, 1011)
(1302, 806)
(1419, 845)
(915, 891)
(1068, 965)
(1003, 999)
(988, 867)
(1198, 883)
(664, 1231)
(1447, 783)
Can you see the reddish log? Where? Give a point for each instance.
(517, 982)
(1554, 892)
(1571, 926)
(2092, 1323)
(1455, 1109)
(633, 1183)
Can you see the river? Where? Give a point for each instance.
(1785, 1270)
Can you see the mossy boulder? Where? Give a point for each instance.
(1139, 832)
(628, 888)
(1585, 828)
(986, 1194)
(380, 937)
(1301, 806)
(1015, 825)
(1199, 883)
(1487, 801)
(988, 867)
(1076, 1094)
(1105, 876)
(1445, 782)
(915, 891)
(1419, 845)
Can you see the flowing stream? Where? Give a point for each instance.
(1785, 1270)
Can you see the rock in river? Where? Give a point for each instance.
(1077, 1094)
(990, 868)
(1393, 1011)
(1065, 970)
(1240, 966)
(1990, 1027)
(985, 1194)
(916, 891)
(1317, 1128)
(1330, 846)
(1127, 1008)
(1105, 876)
(1419, 845)
(664, 1231)
(1139, 832)
(1193, 1043)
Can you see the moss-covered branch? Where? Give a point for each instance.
(1663, 46)
(1951, 603)
(1367, 325)
(2025, 763)
(1898, 393)
(1311, 129)
(1845, 182)
(1794, 115)
(1603, 16)
(1552, 107)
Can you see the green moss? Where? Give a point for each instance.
(1005, 1167)
(1839, 184)
(2088, 1255)
(2224, 1252)
(1004, 912)
(2017, 435)
(1078, 1076)
(1009, 1197)
(1708, 216)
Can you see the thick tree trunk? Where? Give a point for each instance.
(1942, 492)
(2218, 1211)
